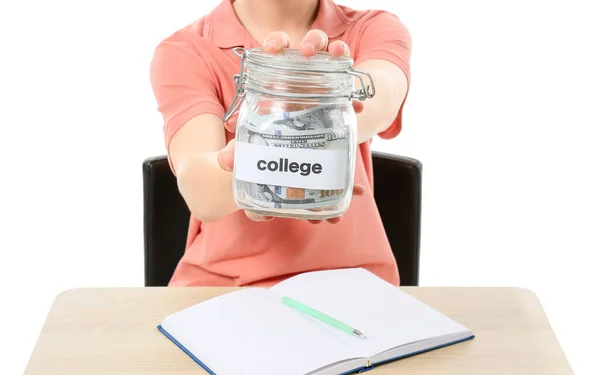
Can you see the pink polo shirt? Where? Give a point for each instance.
(191, 74)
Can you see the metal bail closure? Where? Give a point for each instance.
(239, 80)
(367, 91)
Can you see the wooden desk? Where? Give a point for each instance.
(113, 331)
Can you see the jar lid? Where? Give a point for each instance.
(292, 59)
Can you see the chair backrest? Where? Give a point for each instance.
(166, 215)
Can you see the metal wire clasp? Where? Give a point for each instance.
(240, 80)
(366, 91)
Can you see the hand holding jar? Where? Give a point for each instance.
(294, 151)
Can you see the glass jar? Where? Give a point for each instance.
(296, 133)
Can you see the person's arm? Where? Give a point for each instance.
(196, 156)
(186, 95)
(384, 52)
(379, 112)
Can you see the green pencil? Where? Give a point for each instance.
(322, 317)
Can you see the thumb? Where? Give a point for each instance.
(226, 155)
(358, 190)
(358, 106)
(231, 123)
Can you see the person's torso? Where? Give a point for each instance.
(238, 251)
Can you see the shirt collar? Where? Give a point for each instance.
(228, 32)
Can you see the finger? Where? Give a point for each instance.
(315, 222)
(313, 42)
(358, 190)
(339, 48)
(358, 106)
(231, 124)
(226, 155)
(335, 220)
(276, 41)
(258, 218)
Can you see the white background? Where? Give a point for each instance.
(503, 113)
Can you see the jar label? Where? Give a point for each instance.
(296, 167)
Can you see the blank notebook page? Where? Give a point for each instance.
(386, 315)
(252, 329)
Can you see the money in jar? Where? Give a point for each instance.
(296, 133)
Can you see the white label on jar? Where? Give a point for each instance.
(300, 168)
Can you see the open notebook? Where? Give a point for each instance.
(252, 332)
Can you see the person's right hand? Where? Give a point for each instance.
(225, 159)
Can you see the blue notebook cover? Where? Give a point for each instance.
(354, 371)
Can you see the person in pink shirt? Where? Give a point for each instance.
(191, 74)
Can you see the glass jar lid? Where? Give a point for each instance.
(292, 61)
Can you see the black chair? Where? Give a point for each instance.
(166, 216)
